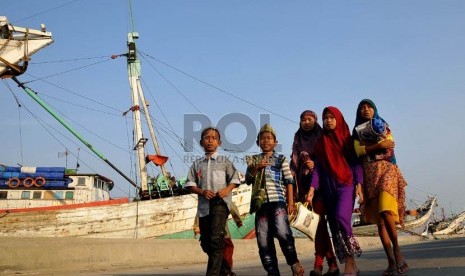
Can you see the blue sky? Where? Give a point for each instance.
(281, 56)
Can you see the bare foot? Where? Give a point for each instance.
(350, 267)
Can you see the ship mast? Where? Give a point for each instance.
(138, 99)
(134, 79)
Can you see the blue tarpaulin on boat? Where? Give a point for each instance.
(12, 169)
(34, 169)
(54, 176)
(51, 169)
(7, 175)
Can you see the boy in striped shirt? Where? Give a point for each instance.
(271, 177)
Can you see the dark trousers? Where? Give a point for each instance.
(212, 229)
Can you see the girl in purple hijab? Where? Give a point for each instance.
(302, 151)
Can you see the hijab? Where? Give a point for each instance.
(335, 149)
(302, 149)
(360, 120)
(305, 140)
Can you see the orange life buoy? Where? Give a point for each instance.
(39, 182)
(28, 182)
(13, 182)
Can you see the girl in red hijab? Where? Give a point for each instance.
(338, 176)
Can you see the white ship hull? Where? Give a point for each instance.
(110, 219)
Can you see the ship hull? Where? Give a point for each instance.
(157, 218)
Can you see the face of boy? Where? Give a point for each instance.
(367, 111)
(329, 121)
(210, 141)
(267, 142)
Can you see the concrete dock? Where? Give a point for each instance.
(45, 256)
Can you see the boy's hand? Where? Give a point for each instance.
(208, 194)
(291, 208)
(225, 191)
(262, 164)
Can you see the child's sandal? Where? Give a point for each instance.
(402, 268)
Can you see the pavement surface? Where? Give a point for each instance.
(75, 256)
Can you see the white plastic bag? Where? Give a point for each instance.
(305, 220)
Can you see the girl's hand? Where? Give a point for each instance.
(310, 195)
(310, 165)
(387, 144)
(359, 192)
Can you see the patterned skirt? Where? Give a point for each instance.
(383, 176)
(346, 246)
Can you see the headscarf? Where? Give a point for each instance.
(302, 149)
(359, 120)
(335, 149)
(304, 141)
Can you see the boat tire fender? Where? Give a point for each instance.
(13, 182)
(39, 182)
(28, 182)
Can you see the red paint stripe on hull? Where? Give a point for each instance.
(68, 206)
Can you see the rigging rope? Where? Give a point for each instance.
(221, 90)
(39, 13)
(19, 121)
(68, 60)
(158, 106)
(174, 87)
(182, 94)
(79, 95)
(131, 160)
(71, 70)
(48, 129)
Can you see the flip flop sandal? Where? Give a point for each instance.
(389, 272)
(402, 268)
